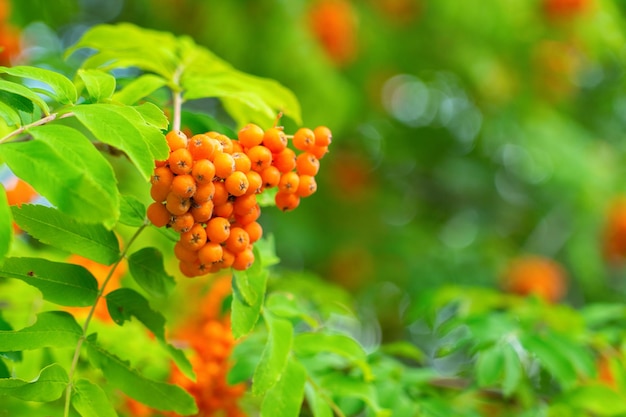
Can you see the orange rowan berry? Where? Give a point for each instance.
(307, 186)
(254, 230)
(210, 253)
(180, 161)
(285, 160)
(224, 164)
(289, 182)
(250, 135)
(184, 186)
(194, 238)
(189, 269)
(203, 171)
(218, 229)
(319, 151)
(202, 147)
(223, 210)
(159, 191)
(237, 183)
(185, 254)
(227, 143)
(220, 196)
(286, 201)
(255, 182)
(158, 164)
(228, 258)
(238, 240)
(303, 139)
(270, 176)
(307, 164)
(158, 214)
(162, 175)
(323, 136)
(204, 192)
(182, 223)
(176, 204)
(244, 259)
(237, 147)
(202, 212)
(242, 162)
(252, 215)
(260, 156)
(274, 139)
(176, 140)
(243, 204)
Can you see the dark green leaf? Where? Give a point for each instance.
(57, 229)
(6, 225)
(89, 400)
(132, 211)
(285, 398)
(17, 102)
(52, 329)
(60, 283)
(10, 115)
(78, 180)
(599, 400)
(489, 366)
(63, 90)
(146, 267)
(26, 93)
(139, 88)
(274, 358)
(243, 314)
(47, 386)
(155, 394)
(99, 84)
(4, 370)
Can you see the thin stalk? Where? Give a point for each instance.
(68, 391)
(39, 122)
(325, 397)
(177, 100)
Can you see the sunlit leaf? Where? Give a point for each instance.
(99, 84)
(513, 371)
(244, 315)
(285, 398)
(52, 329)
(47, 386)
(317, 402)
(63, 90)
(274, 358)
(489, 366)
(138, 88)
(599, 400)
(89, 400)
(26, 93)
(6, 228)
(10, 115)
(132, 211)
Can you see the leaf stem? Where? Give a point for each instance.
(68, 391)
(178, 100)
(39, 122)
(325, 397)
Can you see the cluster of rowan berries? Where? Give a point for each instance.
(207, 190)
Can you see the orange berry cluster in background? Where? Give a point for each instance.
(9, 35)
(207, 190)
(536, 275)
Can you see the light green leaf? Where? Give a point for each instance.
(14, 356)
(599, 400)
(99, 84)
(60, 283)
(70, 173)
(317, 402)
(63, 90)
(47, 386)
(132, 211)
(285, 398)
(489, 366)
(245, 357)
(140, 87)
(146, 267)
(57, 229)
(52, 329)
(153, 115)
(286, 305)
(274, 358)
(513, 371)
(244, 315)
(403, 349)
(6, 222)
(89, 400)
(26, 93)
(10, 116)
(155, 394)
(550, 358)
(345, 386)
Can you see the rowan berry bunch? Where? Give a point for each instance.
(207, 190)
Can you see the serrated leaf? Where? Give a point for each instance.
(599, 400)
(285, 398)
(57, 229)
(89, 400)
(489, 366)
(78, 180)
(10, 116)
(318, 403)
(275, 354)
(99, 84)
(244, 316)
(47, 386)
(155, 394)
(61, 283)
(147, 268)
(52, 329)
(153, 115)
(132, 211)
(26, 93)
(63, 90)
(513, 371)
(6, 222)
(116, 126)
(140, 87)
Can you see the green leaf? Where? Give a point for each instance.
(245, 357)
(489, 366)
(139, 88)
(513, 371)
(17, 102)
(146, 267)
(63, 90)
(70, 173)
(153, 115)
(403, 349)
(285, 398)
(10, 116)
(132, 211)
(550, 358)
(52, 329)
(26, 93)
(47, 386)
(345, 386)
(155, 394)
(89, 400)
(286, 305)
(6, 222)
(317, 402)
(4, 370)
(99, 84)
(14, 356)
(57, 229)
(245, 315)
(117, 126)
(274, 358)
(61, 283)
(125, 303)
(599, 400)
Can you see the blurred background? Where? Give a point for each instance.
(467, 136)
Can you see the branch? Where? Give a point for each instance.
(39, 122)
